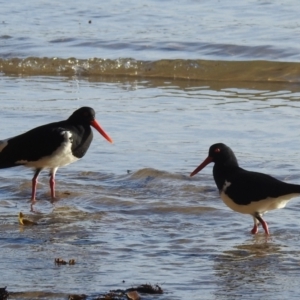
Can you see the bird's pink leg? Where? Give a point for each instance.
(52, 182)
(263, 223)
(265, 226)
(254, 229)
(255, 226)
(34, 184)
(52, 186)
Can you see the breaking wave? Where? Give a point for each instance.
(251, 71)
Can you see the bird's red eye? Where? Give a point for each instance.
(217, 150)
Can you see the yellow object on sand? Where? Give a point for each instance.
(25, 222)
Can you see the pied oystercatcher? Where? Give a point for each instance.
(244, 191)
(51, 146)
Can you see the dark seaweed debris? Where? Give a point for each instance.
(112, 295)
(3, 293)
(77, 297)
(149, 289)
(60, 261)
(121, 294)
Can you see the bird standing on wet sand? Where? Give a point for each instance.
(244, 191)
(51, 146)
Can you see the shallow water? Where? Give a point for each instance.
(152, 30)
(166, 80)
(251, 40)
(129, 211)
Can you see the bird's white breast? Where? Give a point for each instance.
(261, 206)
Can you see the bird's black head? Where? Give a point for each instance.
(220, 154)
(83, 115)
(86, 116)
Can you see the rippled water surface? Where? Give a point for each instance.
(251, 29)
(130, 212)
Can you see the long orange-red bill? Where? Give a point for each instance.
(203, 165)
(97, 126)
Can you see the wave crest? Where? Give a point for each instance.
(257, 71)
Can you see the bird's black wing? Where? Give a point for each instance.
(32, 145)
(246, 187)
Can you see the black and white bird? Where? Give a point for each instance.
(51, 146)
(244, 191)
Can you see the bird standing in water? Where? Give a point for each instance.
(244, 191)
(51, 146)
